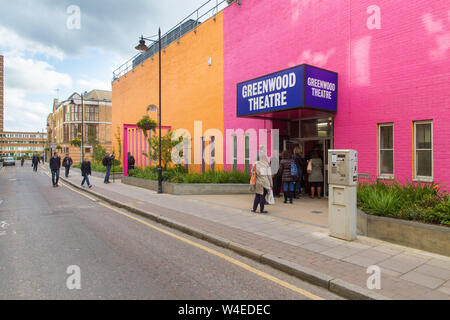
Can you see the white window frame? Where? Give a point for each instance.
(386, 175)
(417, 177)
(234, 152)
(247, 158)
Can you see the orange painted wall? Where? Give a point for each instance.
(191, 89)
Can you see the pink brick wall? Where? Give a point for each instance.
(398, 73)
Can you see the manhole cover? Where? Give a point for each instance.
(316, 212)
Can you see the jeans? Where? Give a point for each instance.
(67, 171)
(289, 186)
(85, 178)
(55, 177)
(35, 167)
(108, 171)
(259, 199)
(298, 183)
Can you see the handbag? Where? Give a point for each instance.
(309, 168)
(253, 178)
(269, 197)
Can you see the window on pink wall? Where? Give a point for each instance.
(386, 150)
(247, 153)
(423, 150)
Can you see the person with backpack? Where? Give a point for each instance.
(85, 172)
(288, 170)
(107, 162)
(297, 157)
(67, 163)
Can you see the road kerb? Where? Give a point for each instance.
(343, 288)
(309, 275)
(338, 286)
(246, 251)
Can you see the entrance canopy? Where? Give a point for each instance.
(293, 93)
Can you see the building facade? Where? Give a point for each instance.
(392, 101)
(1, 94)
(68, 118)
(22, 144)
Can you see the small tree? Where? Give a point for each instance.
(119, 142)
(98, 153)
(167, 145)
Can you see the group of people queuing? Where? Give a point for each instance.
(292, 173)
(86, 171)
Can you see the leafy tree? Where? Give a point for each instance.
(98, 153)
(119, 142)
(167, 145)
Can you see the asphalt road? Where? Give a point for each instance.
(44, 230)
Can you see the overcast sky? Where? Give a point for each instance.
(44, 59)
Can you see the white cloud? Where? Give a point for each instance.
(22, 114)
(35, 76)
(16, 45)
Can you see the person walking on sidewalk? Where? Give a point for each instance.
(286, 176)
(55, 165)
(34, 162)
(107, 162)
(315, 178)
(297, 157)
(85, 172)
(67, 163)
(22, 161)
(263, 182)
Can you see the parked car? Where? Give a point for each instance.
(9, 161)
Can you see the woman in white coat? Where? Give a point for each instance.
(263, 181)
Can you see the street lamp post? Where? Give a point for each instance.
(143, 47)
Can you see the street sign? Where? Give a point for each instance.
(53, 145)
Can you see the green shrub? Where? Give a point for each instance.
(418, 202)
(180, 175)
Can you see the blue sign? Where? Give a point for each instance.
(298, 87)
(320, 89)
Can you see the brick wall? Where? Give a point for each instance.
(399, 73)
(1, 95)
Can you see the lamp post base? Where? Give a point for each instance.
(160, 180)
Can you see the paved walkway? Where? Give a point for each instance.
(405, 273)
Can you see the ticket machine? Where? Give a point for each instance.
(343, 180)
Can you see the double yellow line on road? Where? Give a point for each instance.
(238, 263)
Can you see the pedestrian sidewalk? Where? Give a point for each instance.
(302, 249)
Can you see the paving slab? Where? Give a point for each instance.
(295, 238)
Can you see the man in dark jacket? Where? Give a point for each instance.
(67, 163)
(35, 161)
(85, 172)
(55, 165)
(131, 161)
(107, 162)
